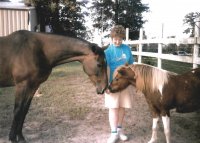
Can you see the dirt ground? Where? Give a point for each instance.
(86, 119)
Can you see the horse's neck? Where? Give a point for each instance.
(60, 49)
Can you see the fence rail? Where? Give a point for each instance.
(195, 41)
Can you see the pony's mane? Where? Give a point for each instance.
(150, 78)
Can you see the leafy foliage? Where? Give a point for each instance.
(64, 16)
(190, 21)
(106, 13)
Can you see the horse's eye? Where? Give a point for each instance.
(99, 65)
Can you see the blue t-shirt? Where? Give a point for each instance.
(117, 56)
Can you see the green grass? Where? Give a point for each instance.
(177, 67)
(173, 66)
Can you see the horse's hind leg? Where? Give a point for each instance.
(23, 98)
(154, 130)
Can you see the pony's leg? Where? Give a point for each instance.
(166, 124)
(154, 130)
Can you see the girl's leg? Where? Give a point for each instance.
(121, 134)
(113, 120)
(121, 116)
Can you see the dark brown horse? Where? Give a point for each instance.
(27, 59)
(163, 91)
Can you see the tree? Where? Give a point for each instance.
(64, 16)
(128, 13)
(190, 21)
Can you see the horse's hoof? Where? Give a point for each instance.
(22, 141)
(13, 141)
(19, 141)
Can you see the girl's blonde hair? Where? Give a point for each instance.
(118, 31)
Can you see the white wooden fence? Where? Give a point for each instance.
(195, 41)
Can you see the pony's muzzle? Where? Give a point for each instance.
(110, 88)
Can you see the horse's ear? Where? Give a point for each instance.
(96, 49)
(105, 47)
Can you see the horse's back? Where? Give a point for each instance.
(14, 41)
(21, 53)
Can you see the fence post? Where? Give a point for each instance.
(196, 46)
(127, 34)
(159, 56)
(140, 47)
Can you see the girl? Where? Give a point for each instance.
(117, 54)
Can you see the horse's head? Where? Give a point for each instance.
(123, 77)
(95, 67)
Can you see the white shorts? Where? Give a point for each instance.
(123, 98)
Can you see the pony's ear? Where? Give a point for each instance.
(122, 71)
(133, 72)
(126, 64)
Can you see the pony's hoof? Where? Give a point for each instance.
(151, 141)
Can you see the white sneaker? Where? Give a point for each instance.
(122, 136)
(113, 138)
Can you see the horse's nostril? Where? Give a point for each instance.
(100, 91)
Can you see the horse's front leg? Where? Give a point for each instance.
(27, 103)
(166, 124)
(23, 97)
(154, 130)
(17, 116)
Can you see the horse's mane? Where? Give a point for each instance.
(91, 46)
(150, 78)
(96, 49)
